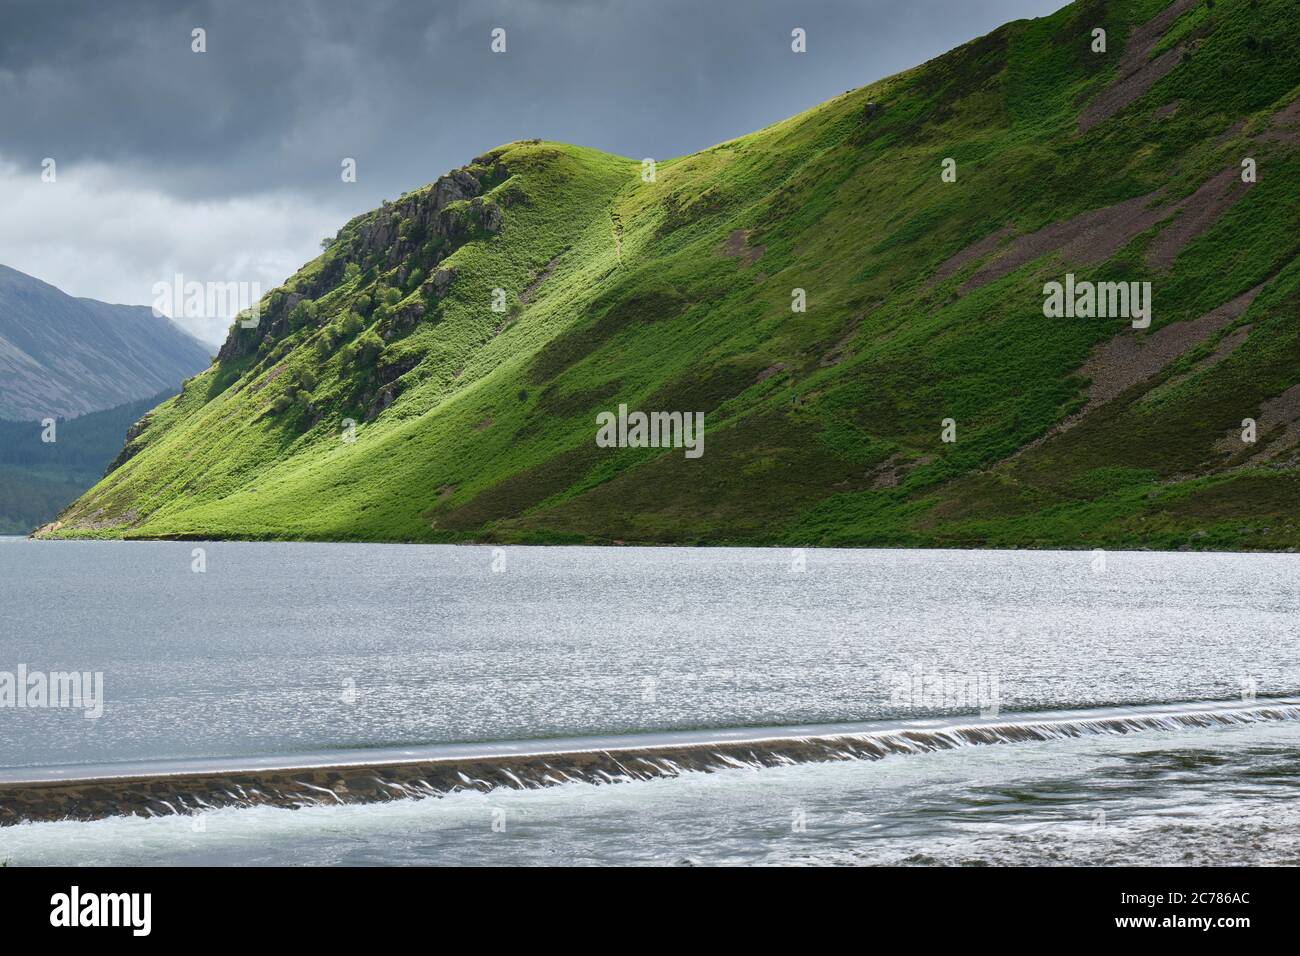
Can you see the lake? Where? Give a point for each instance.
(281, 650)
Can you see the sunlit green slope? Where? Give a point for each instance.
(924, 303)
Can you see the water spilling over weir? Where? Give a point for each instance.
(379, 775)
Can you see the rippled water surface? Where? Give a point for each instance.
(286, 648)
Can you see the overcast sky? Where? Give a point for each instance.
(225, 165)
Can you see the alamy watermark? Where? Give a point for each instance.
(651, 430)
(75, 908)
(181, 299)
(36, 690)
(916, 688)
(1100, 300)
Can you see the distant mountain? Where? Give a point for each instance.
(38, 478)
(61, 356)
(862, 299)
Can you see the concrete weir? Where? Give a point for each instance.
(32, 795)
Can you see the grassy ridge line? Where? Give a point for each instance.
(822, 427)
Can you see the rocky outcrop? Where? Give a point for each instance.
(420, 229)
(131, 447)
(439, 283)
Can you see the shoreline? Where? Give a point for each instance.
(651, 545)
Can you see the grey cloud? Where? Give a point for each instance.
(410, 89)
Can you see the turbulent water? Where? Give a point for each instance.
(1207, 797)
(278, 650)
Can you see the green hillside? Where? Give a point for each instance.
(924, 302)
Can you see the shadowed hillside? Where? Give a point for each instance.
(382, 396)
(38, 477)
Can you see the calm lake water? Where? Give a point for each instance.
(293, 648)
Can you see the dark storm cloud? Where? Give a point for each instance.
(410, 88)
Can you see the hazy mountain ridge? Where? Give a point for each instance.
(924, 306)
(62, 356)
